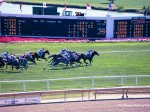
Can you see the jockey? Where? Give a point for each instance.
(89, 53)
(62, 51)
(69, 52)
(29, 55)
(40, 52)
(11, 57)
(65, 53)
(75, 55)
(5, 55)
(22, 57)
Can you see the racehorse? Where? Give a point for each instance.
(35, 55)
(54, 58)
(57, 58)
(77, 60)
(23, 63)
(13, 63)
(90, 58)
(30, 59)
(62, 60)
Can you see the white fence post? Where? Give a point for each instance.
(136, 81)
(92, 82)
(121, 81)
(24, 86)
(47, 84)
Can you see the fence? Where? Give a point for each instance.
(64, 95)
(73, 83)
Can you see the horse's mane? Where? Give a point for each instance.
(47, 51)
(95, 53)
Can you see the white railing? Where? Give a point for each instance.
(73, 83)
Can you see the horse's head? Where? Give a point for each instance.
(95, 53)
(47, 52)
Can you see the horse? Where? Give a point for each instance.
(13, 63)
(23, 63)
(62, 60)
(35, 55)
(85, 57)
(30, 59)
(77, 60)
(54, 58)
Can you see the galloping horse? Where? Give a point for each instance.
(23, 63)
(54, 58)
(13, 63)
(62, 60)
(85, 57)
(35, 55)
(58, 58)
(77, 60)
(30, 59)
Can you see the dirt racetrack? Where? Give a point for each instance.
(127, 105)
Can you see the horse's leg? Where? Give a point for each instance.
(80, 63)
(66, 65)
(37, 59)
(12, 67)
(18, 67)
(45, 59)
(25, 64)
(90, 61)
(33, 61)
(55, 63)
(85, 61)
(6, 66)
(51, 61)
(71, 64)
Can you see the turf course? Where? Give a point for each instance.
(116, 59)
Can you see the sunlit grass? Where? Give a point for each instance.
(116, 59)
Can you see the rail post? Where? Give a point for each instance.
(92, 82)
(24, 85)
(121, 81)
(47, 84)
(136, 81)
